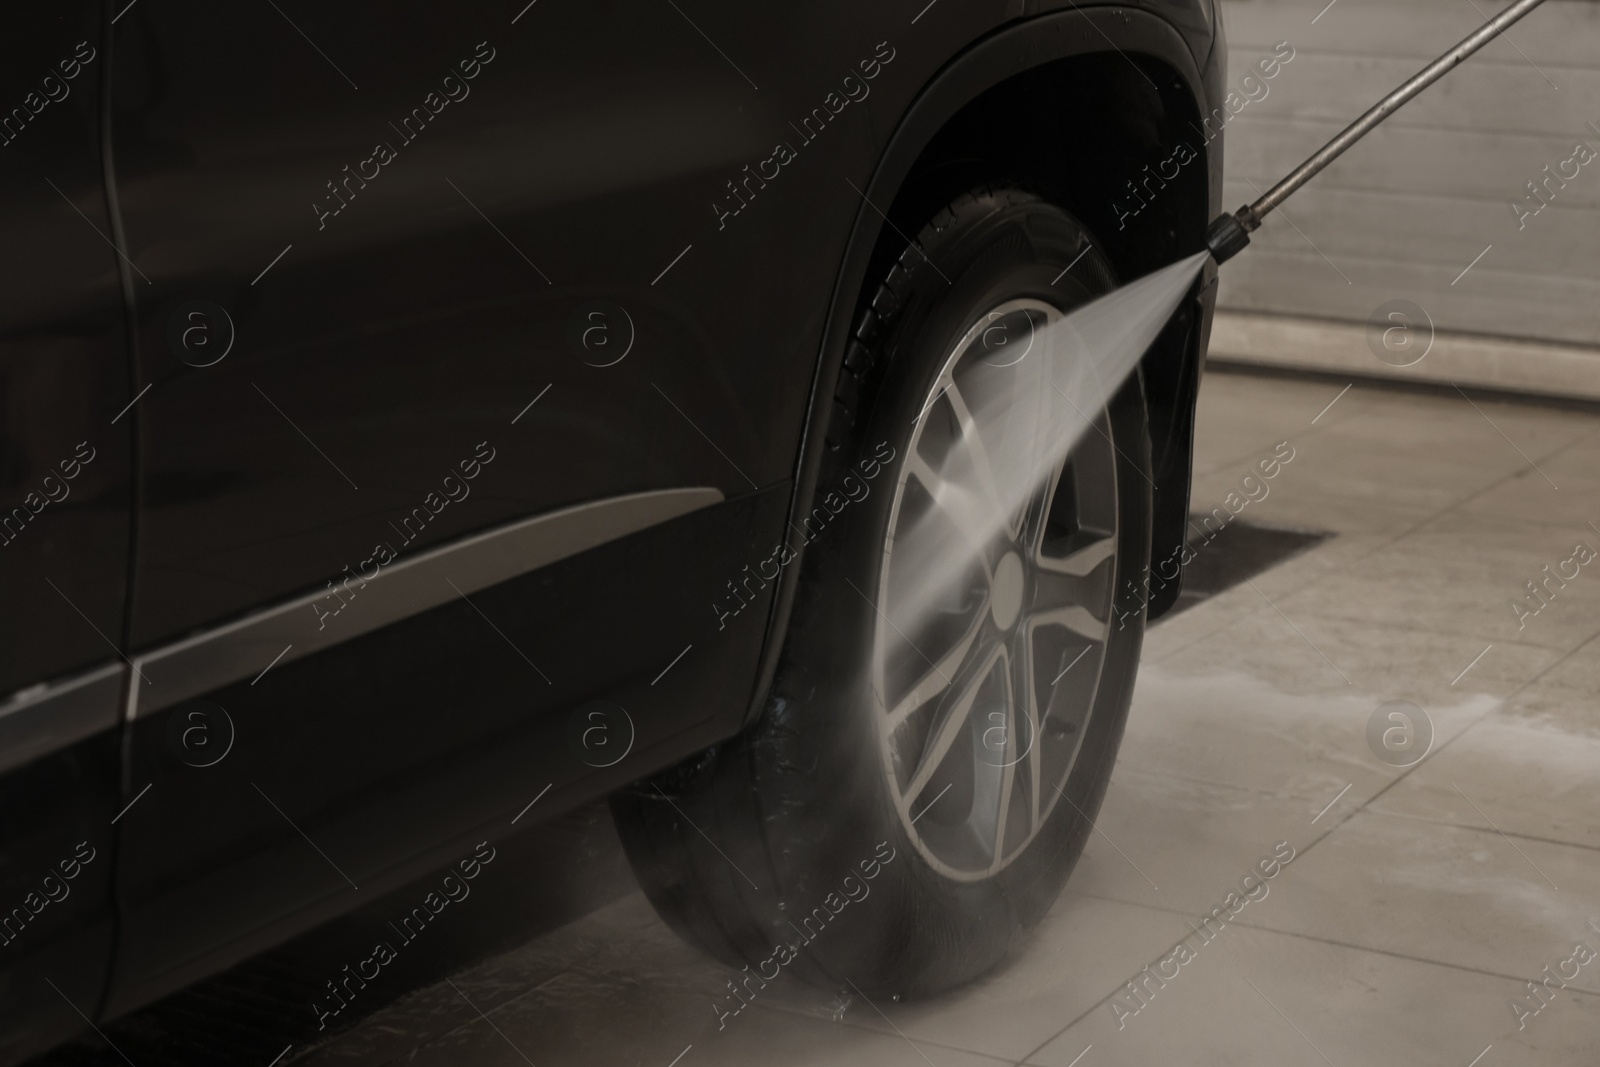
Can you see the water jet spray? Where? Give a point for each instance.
(1017, 524)
(1039, 407)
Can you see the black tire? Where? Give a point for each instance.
(760, 850)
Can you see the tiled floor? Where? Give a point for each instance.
(1418, 901)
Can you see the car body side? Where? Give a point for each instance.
(350, 745)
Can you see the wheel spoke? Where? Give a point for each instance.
(1083, 561)
(994, 771)
(959, 505)
(1082, 578)
(1074, 617)
(1036, 519)
(1021, 729)
(947, 727)
(983, 470)
(1008, 775)
(939, 677)
(1030, 708)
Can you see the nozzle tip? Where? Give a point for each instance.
(1226, 238)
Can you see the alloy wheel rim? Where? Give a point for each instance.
(984, 699)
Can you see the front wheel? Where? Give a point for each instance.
(954, 683)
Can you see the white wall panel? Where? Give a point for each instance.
(1403, 213)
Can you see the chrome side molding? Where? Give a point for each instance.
(37, 721)
(410, 585)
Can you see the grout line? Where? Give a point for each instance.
(1365, 806)
(1302, 852)
(1420, 524)
(1115, 989)
(1502, 433)
(1436, 821)
(1351, 945)
(1286, 1019)
(802, 1013)
(1266, 794)
(1485, 817)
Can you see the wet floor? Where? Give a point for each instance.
(1410, 898)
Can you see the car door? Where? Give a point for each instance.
(462, 424)
(64, 525)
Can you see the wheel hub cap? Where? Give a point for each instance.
(1006, 598)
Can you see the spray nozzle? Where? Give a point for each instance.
(1229, 234)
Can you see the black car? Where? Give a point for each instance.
(420, 419)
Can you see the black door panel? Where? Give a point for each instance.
(389, 320)
(422, 317)
(64, 524)
(64, 463)
(348, 749)
(55, 889)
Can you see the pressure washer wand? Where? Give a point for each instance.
(1229, 234)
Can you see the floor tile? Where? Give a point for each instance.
(1465, 897)
(1184, 845)
(1565, 694)
(1304, 738)
(1506, 773)
(1083, 946)
(1254, 998)
(1458, 575)
(581, 1017)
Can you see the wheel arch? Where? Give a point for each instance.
(1121, 84)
